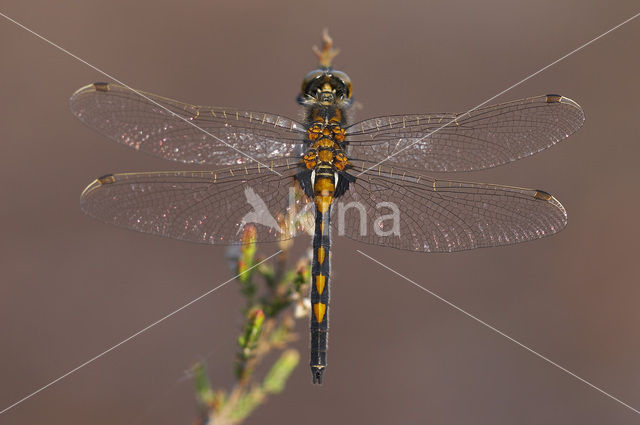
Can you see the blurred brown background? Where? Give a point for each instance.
(71, 286)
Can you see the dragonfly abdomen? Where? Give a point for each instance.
(320, 273)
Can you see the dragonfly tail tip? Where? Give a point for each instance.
(317, 375)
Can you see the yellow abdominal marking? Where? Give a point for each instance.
(323, 191)
(318, 311)
(320, 280)
(321, 255)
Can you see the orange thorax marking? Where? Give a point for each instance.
(325, 156)
(325, 148)
(327, 128)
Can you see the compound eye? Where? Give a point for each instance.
(342, 83)
(312, 81)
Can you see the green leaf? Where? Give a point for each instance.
(248, 341)
(276, 379)
(204, 393)
(247, 254)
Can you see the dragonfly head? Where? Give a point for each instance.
(326, 86)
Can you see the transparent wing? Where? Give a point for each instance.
(442, 215)
(484, 138)
(209, 207)
(150, 126)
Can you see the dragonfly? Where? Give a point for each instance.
(273, 171)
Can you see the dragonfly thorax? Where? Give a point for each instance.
(325, 152)
(326, 94)
(325, 162)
